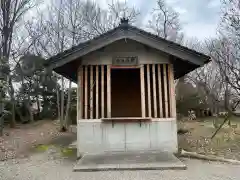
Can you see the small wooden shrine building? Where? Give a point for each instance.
(126, 95)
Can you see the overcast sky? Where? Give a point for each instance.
(199, 17)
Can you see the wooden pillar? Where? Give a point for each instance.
(108, 91)
(173, 112)
(149, 91)
(154, 90)
(86, 92)
(160, 91)
(97, 77)
(165, 89)
(91, 92)
(102, 91)
(80, 94)
(142, 91)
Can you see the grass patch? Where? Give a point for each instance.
(42, 148)
(66, 152)
(57, 150)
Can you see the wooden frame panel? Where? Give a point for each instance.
(159, 101)
(126, 67)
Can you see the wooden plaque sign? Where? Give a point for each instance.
(125, 61)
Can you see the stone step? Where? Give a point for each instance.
(129, 161)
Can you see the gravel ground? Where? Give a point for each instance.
(17, 142)
(41, 167)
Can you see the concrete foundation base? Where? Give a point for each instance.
(129, 161)
(95, 136)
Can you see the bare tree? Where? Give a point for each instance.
(165, 22)
(225, 49)
(222, 55)
(222, 81)
(11, 12)
(68, 23)
(211, 82)
(98, 20)
(210, 85)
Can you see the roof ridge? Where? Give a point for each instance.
(125, 27)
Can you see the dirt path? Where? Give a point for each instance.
(18, 142)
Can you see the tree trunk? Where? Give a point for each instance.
(30, 110)
(215, 133)
(1, 125)
(226, 103)
(38, 104)
(11, 92)
(20, 115)
(68, 104)
(13, 119)
(1, 113)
